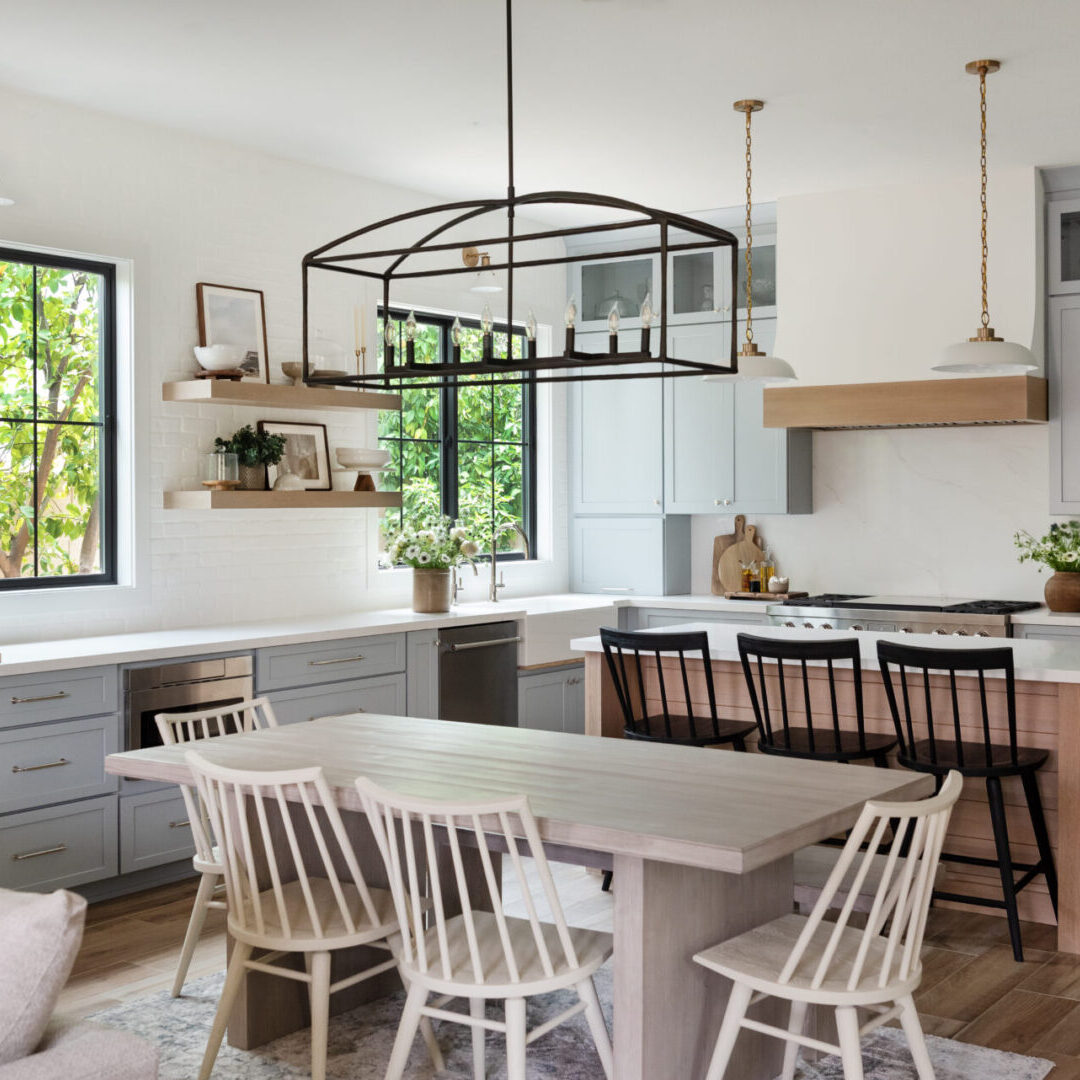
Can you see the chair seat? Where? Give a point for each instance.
(975, 762)
(796, 741)
(336, 933)
(758, 957)
(593, 947)
(214, 865)
(703, 733)
(814, 864)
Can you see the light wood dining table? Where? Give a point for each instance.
(701, 843)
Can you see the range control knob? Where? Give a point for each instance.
(826, 626)
(808, 626)
(981, 633)
(906, 630)
(790, 623)
(959, 633)
(941, 632)
(858, 626)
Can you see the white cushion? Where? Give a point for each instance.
(39, 940)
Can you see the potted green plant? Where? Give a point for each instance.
(254, 451)
(1060, 550)
(432, 549)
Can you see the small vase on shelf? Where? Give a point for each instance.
(431, 591)
(252, 477)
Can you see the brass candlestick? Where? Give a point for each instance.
(361, 360)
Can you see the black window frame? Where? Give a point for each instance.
(448, 428)
(105, 424)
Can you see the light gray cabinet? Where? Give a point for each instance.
(654, 618)
(553, 699)
(623, 556)
(380, 694)
(1046, 632)
(154, 830)
(58, 695)
(314, 663)
(1063, 246)
(1064, 377)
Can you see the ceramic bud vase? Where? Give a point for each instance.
(1062, 591)
(431, 591)
(253, 477)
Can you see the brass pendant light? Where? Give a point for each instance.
(754, 365)
(985, 353)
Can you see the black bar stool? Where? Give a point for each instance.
(823, 741)
(944, 748)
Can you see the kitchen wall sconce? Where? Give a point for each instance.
(361, 253)
(985, 353)
(486, 281)
(754, 365)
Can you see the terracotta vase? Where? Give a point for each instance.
(252, 477)
(431, 591)
(1063, 591)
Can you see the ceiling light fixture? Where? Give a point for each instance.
(486, 281)
(391, 262)
(754, 365)
(985, 353)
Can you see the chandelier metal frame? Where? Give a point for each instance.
(571, 365)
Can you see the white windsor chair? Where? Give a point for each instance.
(809, 961)
(311, 906)
(482, 953)
(177, 728)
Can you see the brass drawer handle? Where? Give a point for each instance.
(44, 697)
(180, 824)
(37, 854)
(574, 681)
(339, 660)
(35, 768)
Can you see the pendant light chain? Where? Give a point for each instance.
(982, 194)
(749, 238)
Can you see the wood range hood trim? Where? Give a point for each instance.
(965, 402)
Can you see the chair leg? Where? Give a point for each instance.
(1042, 837)
(605, 885)
(207, 884)
(428, 1032)
(515, 1039)
(738, 1003)
(476, 1011)
(847, 1027)
(406, 1032)
(597, 1025)
(1004, 855)
(796, 1023)
(319, 968)
(909, 1020)
(739, 744)
(234, 979)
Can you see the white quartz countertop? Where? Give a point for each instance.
(1043, 616)
(1033, 660)
(30, 657)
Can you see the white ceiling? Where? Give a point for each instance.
(627, 97)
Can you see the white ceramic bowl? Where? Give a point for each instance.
(359, 457)
(219, 357)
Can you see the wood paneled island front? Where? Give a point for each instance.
(1048, 715)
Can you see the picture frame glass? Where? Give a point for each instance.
(307, 454)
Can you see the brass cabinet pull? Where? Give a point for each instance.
(37, 854)
(573, 681)
(44, 697)
(179, 824)
(35, 768)
(339, 660)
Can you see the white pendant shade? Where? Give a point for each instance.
(987, 358)
(769, 370)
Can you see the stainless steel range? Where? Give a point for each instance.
(904, 614)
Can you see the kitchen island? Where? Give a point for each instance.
(1048, 715)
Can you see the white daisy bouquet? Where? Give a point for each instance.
(1059, 548)
(435, 544)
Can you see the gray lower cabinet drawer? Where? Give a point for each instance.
(314, 663)
(51, 763)
(59, 846)
(385, 695)
(59, 695)
(154, 830)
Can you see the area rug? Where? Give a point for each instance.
(360, 1043)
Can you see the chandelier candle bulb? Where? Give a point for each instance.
(487, 324)
(455, 340)
(530, 335)
(410, 338)
(613, 329)
(389, 336)
(647, 316)
(570, 317)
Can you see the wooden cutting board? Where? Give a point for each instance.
(747, 549)
(720, 545)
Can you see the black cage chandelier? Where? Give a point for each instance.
(673, 233)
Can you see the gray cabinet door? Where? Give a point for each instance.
(1064, 372)
(384, 695)
(628, 556)
(616, 440)
(553, 700)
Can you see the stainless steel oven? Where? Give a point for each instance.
(196, 684)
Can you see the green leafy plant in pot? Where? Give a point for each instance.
(254, 451)
(1059, 549)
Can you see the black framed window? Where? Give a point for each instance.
(57, 421)
(467, 451)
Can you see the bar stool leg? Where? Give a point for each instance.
(1042, 837)
(1008, 882)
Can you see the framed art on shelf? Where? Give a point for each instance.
(229, 315)
(307, 453)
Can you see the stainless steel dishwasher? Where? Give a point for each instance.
(478, 674)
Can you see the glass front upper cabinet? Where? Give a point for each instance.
(1063, 230)
(622, 284)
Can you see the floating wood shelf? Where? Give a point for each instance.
(272, 395)
(278, 500)
(1004, 399)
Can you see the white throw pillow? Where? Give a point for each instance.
(39, 940)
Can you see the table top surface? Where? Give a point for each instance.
(710, 808)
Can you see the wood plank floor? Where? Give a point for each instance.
(972, 989)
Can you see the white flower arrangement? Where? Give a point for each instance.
(1059, 548)
(435, 544)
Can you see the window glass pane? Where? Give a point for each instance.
(474, 490)
(508, 413)
(474, 413)
(509, 490)
(69, 517)
(420, 480)
(16, 339)
(69, 343)
(16, 511)
(419, 412)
